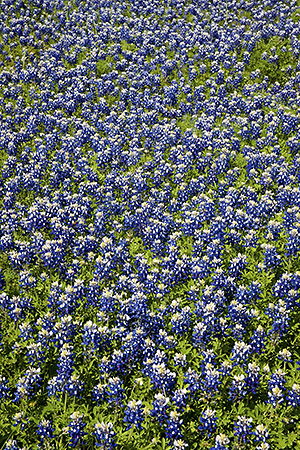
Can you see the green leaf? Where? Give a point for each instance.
(291, 437)
(282, 443)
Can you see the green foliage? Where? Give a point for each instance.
(103, 66)
(185, 122)
(239, 161)
(282, 421)
(128, 46)
(275, 72)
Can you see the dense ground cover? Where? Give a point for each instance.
(149, 227)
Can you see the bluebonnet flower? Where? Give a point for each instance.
(285, 355)
(173, 426)
(289, 218)
(240, 353)
(192, 378)
(279, 313)
(271, 257)
(26, 331)
(293, 397)
(237, 265)
(161, 377)
(201, 334)
(174, 307)
(95, 338)
(104, 366)
(118, 361)
(134, 414)
(181, 321)
(226, 368)
(11, 444)
(54, 294)
(180, 398)
(4, 389)
(179, 444)
(211, 380)
(166, 340)
(35, 352)
(283, 285)
(19, 419)
(66, 361)
(105, 299)
(238, 388)
(105, 435)
(160, 406)
(201, 268)
(257, 340)
(99, 393)
(254, 290)
(148, 349)
(76, 429)
(18, 307)
(253, 377)
(275, 396)
(132, 345)
(221, 442)
(292, 246)
(115, 391)
(64, 331)
(28, 384)
(45, 431)
(208, 423)
(26, 280)
(2, 280)
(276, 388)
(242, 428)
(179, 359)
(261, 433)
(263, 446)
(74, 386)
(91, 338)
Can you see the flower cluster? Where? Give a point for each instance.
(149, 226)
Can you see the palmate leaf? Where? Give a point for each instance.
(282, 442)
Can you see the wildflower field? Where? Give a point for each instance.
(150, 224)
